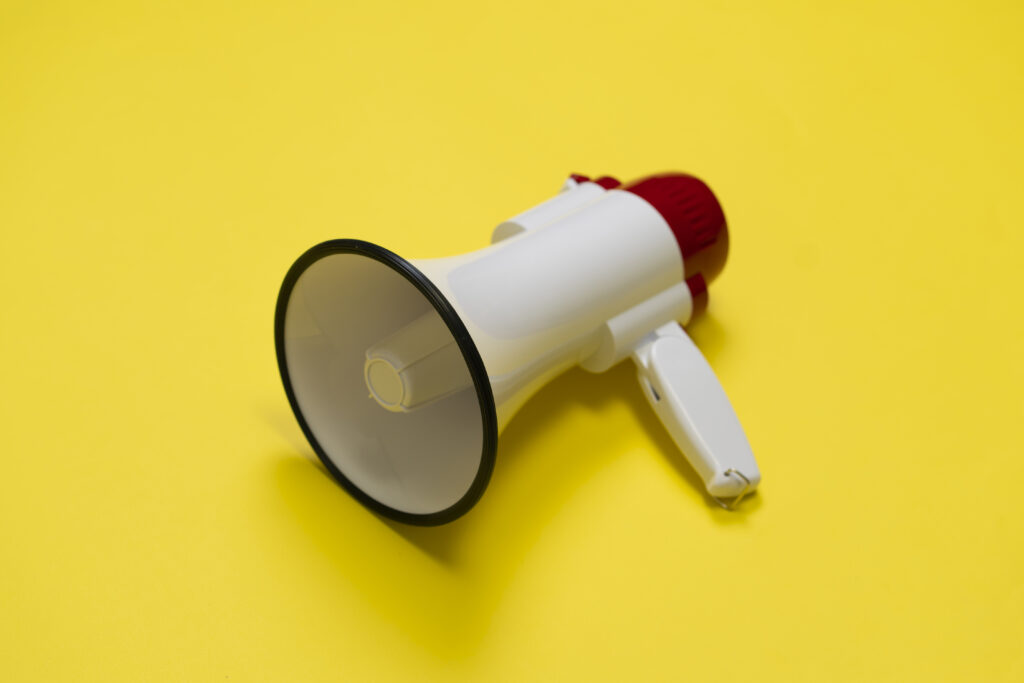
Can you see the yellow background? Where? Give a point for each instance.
(162, 164)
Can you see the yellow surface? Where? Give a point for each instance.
(161, 518)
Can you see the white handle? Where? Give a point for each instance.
(686, 395)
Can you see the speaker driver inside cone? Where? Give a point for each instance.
(386, 382)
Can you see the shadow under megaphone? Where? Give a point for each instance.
(443, 584)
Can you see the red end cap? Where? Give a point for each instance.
(695, 216)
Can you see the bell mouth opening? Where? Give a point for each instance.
(425, 466)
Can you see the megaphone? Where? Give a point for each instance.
(402, 373)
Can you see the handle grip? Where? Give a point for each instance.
(691, 403)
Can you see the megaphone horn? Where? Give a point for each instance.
(403, 373)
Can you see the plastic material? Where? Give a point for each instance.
(576, 192)
(344, 357)
(684, 392)
(416, 365)
(537, 303)
(620, 335)
(403, 372)
(696, 218)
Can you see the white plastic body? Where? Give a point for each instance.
(684, 392)
(585, 279)
(573, 196)
(538, 302)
